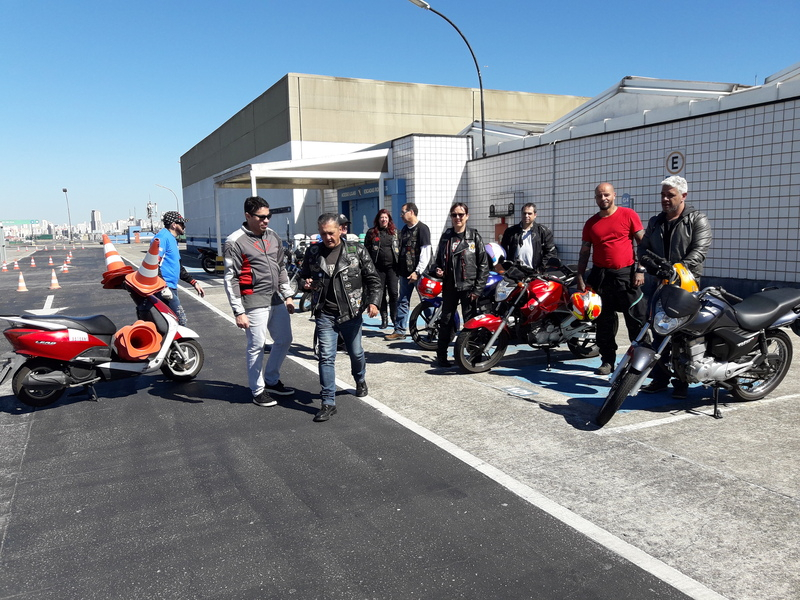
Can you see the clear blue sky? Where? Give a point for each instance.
(104, 97)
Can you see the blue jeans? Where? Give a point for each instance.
(176, 306)
(403, 303)
(327, 336)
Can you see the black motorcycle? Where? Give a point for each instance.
(208, 260)
(714, 338)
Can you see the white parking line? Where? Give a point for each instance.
(690, 414)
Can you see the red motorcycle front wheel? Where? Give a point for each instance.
(471, 354)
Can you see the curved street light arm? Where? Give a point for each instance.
(427, 6)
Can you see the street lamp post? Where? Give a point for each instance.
(177, 204)
(69, 216)
(426, 6)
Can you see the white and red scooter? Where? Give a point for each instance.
(52, 353)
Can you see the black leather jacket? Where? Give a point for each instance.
(468, 264)
(542, 238)
(353, 273)
(688, 244)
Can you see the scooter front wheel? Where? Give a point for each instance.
(620, 390)
(32, 397)
(183, 361)
(471, 353)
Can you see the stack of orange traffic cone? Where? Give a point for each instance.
(146, 279)
(116, 270)
(53, 281)
(33, 262)
(21, 287)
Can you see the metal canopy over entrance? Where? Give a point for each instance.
(331, 172)
(309, 173)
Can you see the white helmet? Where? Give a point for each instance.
(495, 252)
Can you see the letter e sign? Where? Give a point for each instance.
(675, 162)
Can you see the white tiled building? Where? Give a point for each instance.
(738, 147)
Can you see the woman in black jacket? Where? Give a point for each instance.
(462, 263)
(383, 244)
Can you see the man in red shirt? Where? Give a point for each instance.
(615, 276)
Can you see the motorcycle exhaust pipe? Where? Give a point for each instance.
(45, 381)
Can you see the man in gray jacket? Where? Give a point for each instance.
(258, 290)
(680, 233)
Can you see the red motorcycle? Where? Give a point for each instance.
(532, 308)
(52, 353)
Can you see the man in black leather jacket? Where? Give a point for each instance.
(345, 282)
(680, 233)
(462, 263)
(529, 242)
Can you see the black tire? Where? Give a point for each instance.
(209, 264)
(469, 353)
(759, 382)
(584, 347)
(620, 390)
(35, 398)
(176, 368)
(424, 325)
(305, 302)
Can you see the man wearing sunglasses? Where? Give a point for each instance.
(258, 290)
(462, 263)
(170, 268)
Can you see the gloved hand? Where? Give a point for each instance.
(664, 273)
(166, 294)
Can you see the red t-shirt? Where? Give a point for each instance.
(611, 237)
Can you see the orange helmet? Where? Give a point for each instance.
(586, 305)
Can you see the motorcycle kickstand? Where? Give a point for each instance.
(717, 413)
(88, 389)
(547, 354)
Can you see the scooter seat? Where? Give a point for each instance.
(96, 325)
(762, 309)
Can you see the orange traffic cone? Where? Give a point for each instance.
(5, 267)
(115, 268)
(33, 262)
(67, 260)
(137, 341)
(16, 266)
(64, 268)
(53, 281)
(146, 279)
(21, 287)
(50, 261)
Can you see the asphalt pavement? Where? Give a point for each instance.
(439, 484)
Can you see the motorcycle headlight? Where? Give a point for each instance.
(503, 290)
(662, 324)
